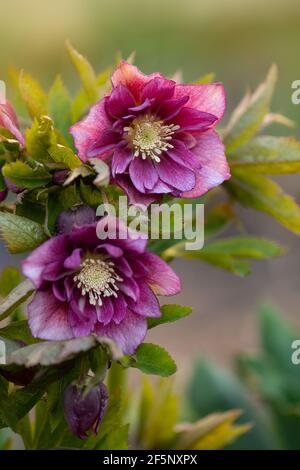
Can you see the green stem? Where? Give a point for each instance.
(117, 378)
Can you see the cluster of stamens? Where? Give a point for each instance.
(149, 136)
(97, 279)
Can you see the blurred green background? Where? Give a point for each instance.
(236, 39)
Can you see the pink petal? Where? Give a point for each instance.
(210, 98)
(48, 317)
(51, 253)
(120, 161)
(176, 175)
(143, 174)
(128, 334)
(130, 76)
(119, 101)
(9, 121)
(135, 197)
(214, 167)
(87, 131)
(147, 304)
(160, 276)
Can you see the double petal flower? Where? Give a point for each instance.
(86, 285)
(158, 135)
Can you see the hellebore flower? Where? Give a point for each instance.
(86, 285)
(159, 135)
(85, 413)
(9, 121)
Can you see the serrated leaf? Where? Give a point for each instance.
(250, 113)
(59, 105)
(170, 313)
(16, 297)
(49, 353)
(33, 95)
(39, 138)
(224, 261)
(263, 194)
(86, 73)
(153, 359)
(65, 155)
(20, 234)
(26, 177)
(267, 154)
(90, 195)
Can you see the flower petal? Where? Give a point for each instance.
(193, 120)
(130, 76)
(143, 174)
(128, 334)
(121, 158)
(48, 317)
(74, 260)
(159, 89)
(9, 121)
(119, 101)
(214, 167)
(209, 98)
(87, 131)
(52, 252)
(147, 304)
(135, 197)
(160, 276)
(178, 176)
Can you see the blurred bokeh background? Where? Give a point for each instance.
(236, 39)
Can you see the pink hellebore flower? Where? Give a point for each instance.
(86, 285)
(9, 121)
(159, 135)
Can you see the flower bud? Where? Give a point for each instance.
(60, 176)
(84, 413)
(76, 216)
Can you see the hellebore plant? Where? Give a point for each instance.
(75, 319)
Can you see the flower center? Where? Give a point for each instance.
(149, 137)
(97, 278)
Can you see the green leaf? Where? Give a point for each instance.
(214, 388)
(224, 261)
(18, 331)
(39, 138)
(211, 433)
(33, 95)
(86, 73)
(117, 439)
(267, 154)
(249, 115)
(263, 194)
(16, 297)
(245, 247)
(59, 105)
(62, 154)
(20, 234)
(153, 359)
(90, 195)
(170, 313)
(49, 353)
(26, 177)
(9, 279)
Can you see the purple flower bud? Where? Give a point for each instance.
(60, 176)
(85, 412)
(3, 195)
(79, 215)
